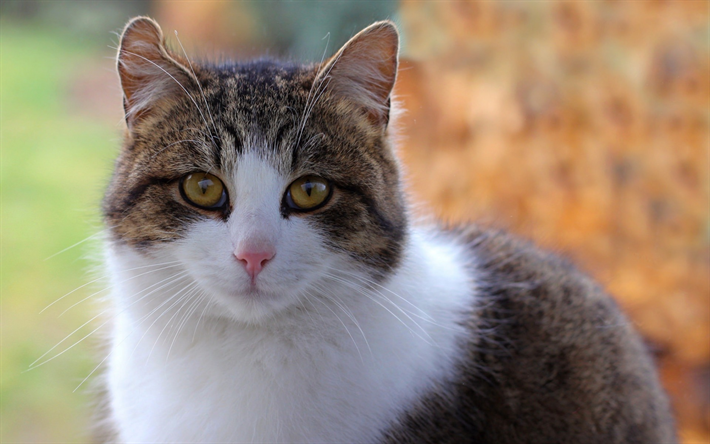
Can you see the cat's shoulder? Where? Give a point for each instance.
(539, 306)
(550, 358)
(514, 272)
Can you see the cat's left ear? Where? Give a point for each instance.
(365, 69)
(150, 74)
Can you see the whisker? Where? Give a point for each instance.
(189, 312)
(96, 280)
(153, 311)
(320, 82)
(366, 294)
(99, 364)
(194, 333)
(198, 83)
(191, 287)
(186, 299)
(199, 297)
(72, 246)
(73, 291)
(426, 317)
(126, 280)
(308, 98)
(33, 366)
(344, 326)
(351, 315)
(340, 304)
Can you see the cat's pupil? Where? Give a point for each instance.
(204, 184)
(308, 187)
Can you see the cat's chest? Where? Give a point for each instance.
(251, 388)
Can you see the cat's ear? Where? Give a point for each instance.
(365, 69)
(149, 73)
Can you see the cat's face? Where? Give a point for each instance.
(263, 180)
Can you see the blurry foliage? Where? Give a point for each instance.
(582, 125)
(296, 30)
(54, 163)
(90, 20)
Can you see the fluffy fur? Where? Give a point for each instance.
(361, 327)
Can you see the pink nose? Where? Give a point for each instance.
(254, 261)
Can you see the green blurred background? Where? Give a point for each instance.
(581, 124)
(60, 128)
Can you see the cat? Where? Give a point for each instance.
(269, 283)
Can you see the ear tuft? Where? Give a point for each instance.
(148, 72)
(365, 69)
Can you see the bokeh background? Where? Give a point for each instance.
(583, 125)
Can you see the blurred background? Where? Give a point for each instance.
(583, 125)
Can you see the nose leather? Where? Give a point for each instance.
(254, 260)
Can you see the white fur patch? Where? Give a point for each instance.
(317, 354)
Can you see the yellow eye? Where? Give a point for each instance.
(203, 190)
(308, 193)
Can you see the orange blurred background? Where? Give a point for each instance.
(584, 126)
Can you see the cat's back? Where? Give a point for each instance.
(551, 359)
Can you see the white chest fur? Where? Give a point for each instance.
(337, 367)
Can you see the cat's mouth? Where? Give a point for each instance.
(254, 291)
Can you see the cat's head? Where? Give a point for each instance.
(262, 179)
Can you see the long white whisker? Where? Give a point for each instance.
(186, 299)
(308, 98)
(344, 326)
(91, 282)
(189, 288)
(425, 315)
(198, 83)
(340, 304)
(305, 295)
(72, 246)
(321, 81)
(100, 363)
(189, 312)
(33, 366)
(194, 333)
(125, 280)
(71, 292)
(366, 294)
(351, 315)
(308, 109)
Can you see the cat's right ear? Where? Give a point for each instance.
(364, 70)
(149, 73)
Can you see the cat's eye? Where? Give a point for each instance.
(308, 193)
(203, 190)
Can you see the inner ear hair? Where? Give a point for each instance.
(148, 71)
(364, 70)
